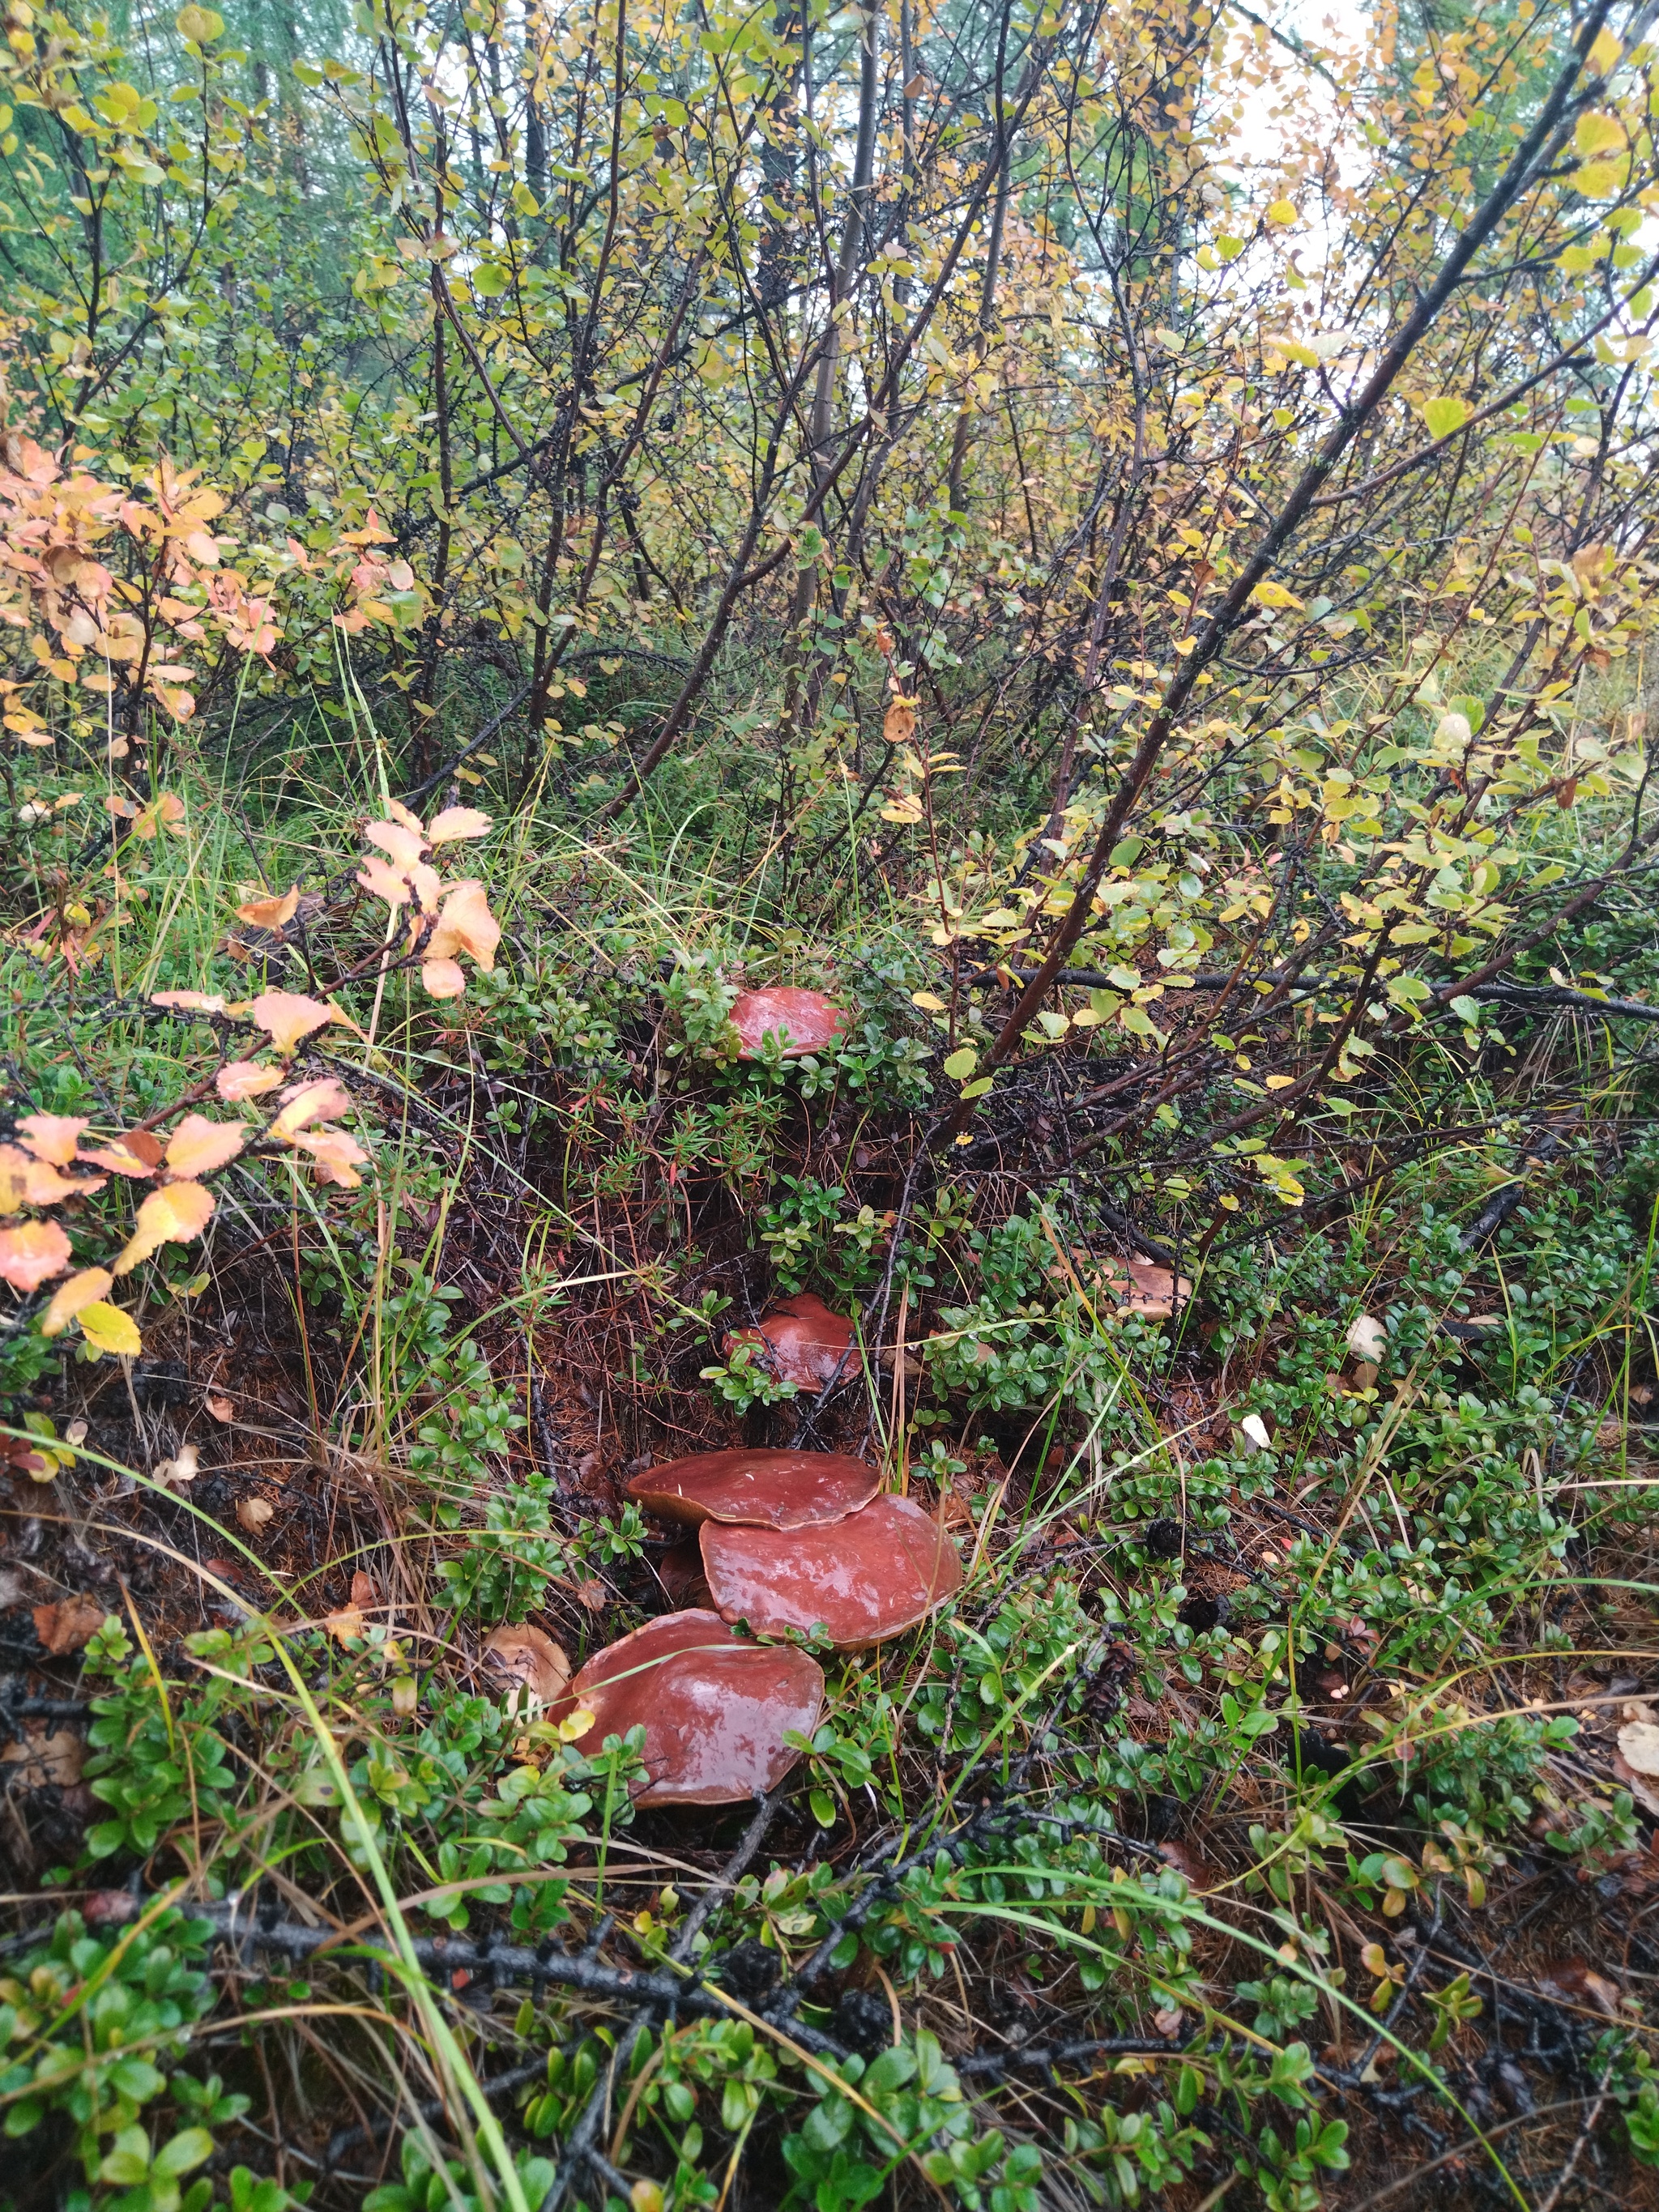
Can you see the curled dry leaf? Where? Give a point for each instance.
(253, 1513)
(31, 1254)
(866, 1578)
(52, 1137)
(1638, 1746)
(1367, 1338)
(177, 1214)
(1255, 1429)
(245, 1078)
(184, 1466)
(807, 1021)
(222, 1409)
(68, 1625)
(289, 1016)
(43, 1761)
(758, 1489)
(198, 1146)
(72, 1297)
(272, 913)
(530, 1659)
(805, 1343)
(715, 1710)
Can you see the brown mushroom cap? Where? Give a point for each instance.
(810, 1022)
(757, 1489)
(714, 1709)
(521, 1655)
(805, 1343)
(866, 1578)
(1141, 1286)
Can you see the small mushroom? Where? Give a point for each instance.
(757, 1489)
(803, 1343)
(864, 1579)
(531, 1662)
(807, 1021)
(715, 1710)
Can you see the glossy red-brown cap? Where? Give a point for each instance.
(756, 1489)
(805, 1343)
(808, 1021)
(866, 1578)
(715, 1710)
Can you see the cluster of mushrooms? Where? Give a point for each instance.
(785, 1542)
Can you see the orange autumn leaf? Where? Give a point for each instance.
(288, 1016)
(138, 1153)
(271, 913)
(404, 847)
(382, 880)
(26, 1180)
(191, 1002)
(337, 1157)
(444, 979)
(198, 1146)
(176, 1214)
(29, 1254)
(72, 1297)
(466, 925)
(312, 1102)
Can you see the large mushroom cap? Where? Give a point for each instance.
(805, 1343)
(757, 1489)
(715, 1710)
(1141, 1286)
(866, 1578)
(807, 1020)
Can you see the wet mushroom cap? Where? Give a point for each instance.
(715, 1710)
(809, 1021)
(805, 1343)
(756, 1489)
(1141, 1286)
(866, 1578)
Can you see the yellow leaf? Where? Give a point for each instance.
(1598, 134)
(173, 1215)
(312, 1102)
(458, 821)
(73, 1296)
(1269, 594)
(199, 1145)
(1604, 54)
(1282, 211)
(30, 1255)
(107, 1328)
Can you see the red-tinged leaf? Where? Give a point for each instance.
(138, 1154)
(312, 1101)
(404, 847)
(466, 925)
(336, 1155)
(245, 1078)
(31, 1254)
(52, 1137)
(198, 1146)
(381, 880)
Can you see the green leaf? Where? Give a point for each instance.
(1444, 416)
(137, 2079)
(823, 1809)
(961, 1063)
(976, 1090)
(491, 280)
(187, 2150)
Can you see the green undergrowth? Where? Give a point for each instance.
(1164, 1845)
